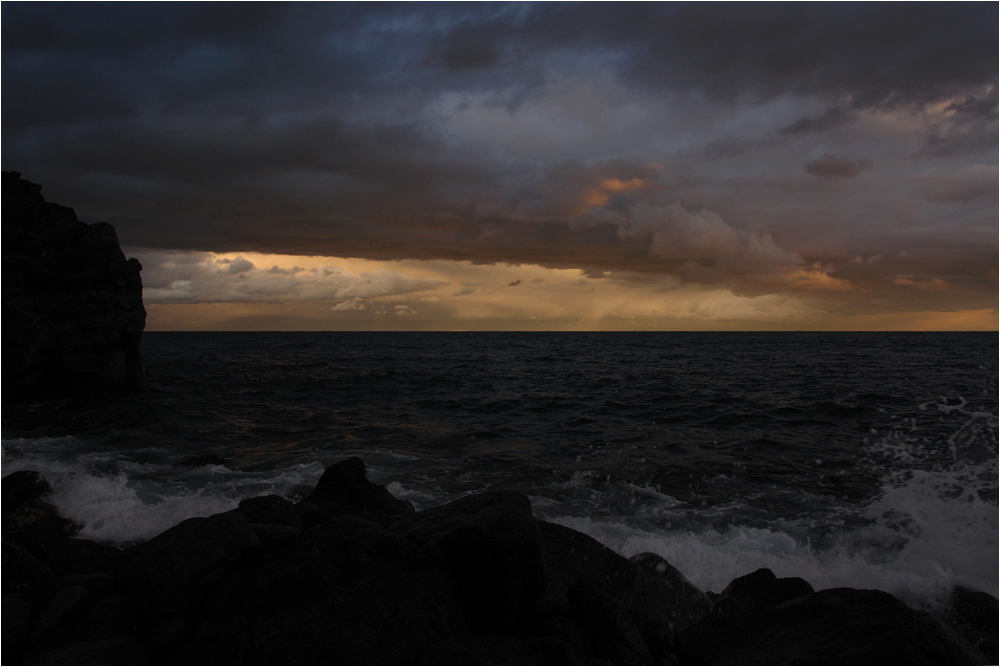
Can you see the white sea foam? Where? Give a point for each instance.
(712, 559)
(120, 501)
(933, 526)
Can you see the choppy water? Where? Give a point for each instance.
(865, 460)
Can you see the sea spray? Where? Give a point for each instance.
(120, 501)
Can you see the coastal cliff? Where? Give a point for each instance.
(72, 303)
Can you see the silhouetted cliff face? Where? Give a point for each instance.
(72, 304)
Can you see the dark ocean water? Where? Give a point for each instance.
(858, 459)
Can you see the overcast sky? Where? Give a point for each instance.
(524, 166)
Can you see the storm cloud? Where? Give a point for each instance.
(746, 147)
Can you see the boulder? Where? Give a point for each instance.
(97, 584)
(834, 626)
(72, 304)
(195, 547)
(271, 536)
(21, 486)
(759, 589)
(491, 546)
(169, 602)
(115, 651)
(345, 487)
(16, 620)
(569, 554)
(497, 651)
(346, 592)
(63, 555)
(672, 603)
(974, 615)
(21, 569)
(169, 636)
(67, 603)
(271, 510)
(111, 616)
(602, 612)
(24, 506)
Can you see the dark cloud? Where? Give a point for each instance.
(463, 49)
(968, 128)
(831, 118)
(628, 137)
(870, 55)
(966, 185)
(836, 166)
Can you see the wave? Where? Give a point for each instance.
(931, 525)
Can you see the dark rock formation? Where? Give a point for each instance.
(356, 576)
(974, 615)
(197, 547)
(759, 589)
(490, 545)
(348, 592)
(72, 304)
(25, 508)
(344, 489)
(837, 626)
(672, 603)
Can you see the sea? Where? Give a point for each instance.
(866, 460)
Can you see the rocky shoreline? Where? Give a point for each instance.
(353, 575)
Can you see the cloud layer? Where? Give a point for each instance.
(751, 148)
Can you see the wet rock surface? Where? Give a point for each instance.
(72, 304)
(353, 575)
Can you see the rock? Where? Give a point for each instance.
(63, 555)
(36, 514)
(16, 619)
(760, 589)
(115, 651)
(272, 510)
(111, 616)
(671, 599)
(834, 626)
(601, 611)
(21, 569)
(571, 554)
(67, 602)
(272, 537)
(72, 304)
(498, 651)
(169, 636)
(974, 615)
(554, 600)
(346, 592)
(169, 602)
(492, 548)
(97, 584)
(196, 546)
(570, 632)
(344, 486)
(22, 486)
(672, 603)
(24, 507)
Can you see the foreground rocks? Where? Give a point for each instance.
(354, 575)
(72, 304)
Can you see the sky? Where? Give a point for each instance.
(552, 166)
